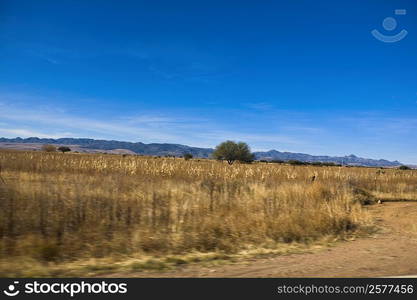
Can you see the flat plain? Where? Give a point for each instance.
(102, 214)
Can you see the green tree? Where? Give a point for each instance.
(64, 149)
(232, 151)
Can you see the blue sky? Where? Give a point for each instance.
(295, 75)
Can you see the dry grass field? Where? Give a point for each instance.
(57, 210)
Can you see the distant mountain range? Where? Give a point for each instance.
(138, 148)
(92, 145)
(352, 160)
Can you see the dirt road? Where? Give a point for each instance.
(390, 252)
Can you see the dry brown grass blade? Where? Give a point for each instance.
(1, 178)
(82, 206)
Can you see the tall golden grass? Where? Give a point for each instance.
(62, 207)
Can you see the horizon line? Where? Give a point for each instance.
(211, 148)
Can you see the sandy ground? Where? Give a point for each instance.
(390, 252)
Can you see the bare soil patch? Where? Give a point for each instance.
(392, 251)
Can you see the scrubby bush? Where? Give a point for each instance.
(277, 161)
(324, 164)
(48, 148)
(296, 162)
(404, 168)
(188, 156)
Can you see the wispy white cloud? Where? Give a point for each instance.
(302, 129)
(364, 134)
(259, 138)
(82, 125)
(158, 118)
(381, 124)
(25, 133)
(261, 106)
(53, 121)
